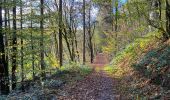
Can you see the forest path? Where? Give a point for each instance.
(96, 86)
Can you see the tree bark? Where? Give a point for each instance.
(90, 36)
(14, 48)
(42, 39)
(116, 25)
(6, 50)
(32, 47)
(84, 33)
(22, 47)
(60, 34)
(3, 63)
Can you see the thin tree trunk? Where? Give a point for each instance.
(90, 36)
(14, 48)
(84, 33)
(77, 52)
(32, 47)
(22, 48)
(67, 43)
(71, 31)
(60, 34)
(56, 44)
(130, 13)
(42, 39)
(116, 24)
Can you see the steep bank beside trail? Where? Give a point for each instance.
(145, 66)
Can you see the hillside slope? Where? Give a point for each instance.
(143, 68)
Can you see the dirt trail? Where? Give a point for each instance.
(100, 60)
(96, 86)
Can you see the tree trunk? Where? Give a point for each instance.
(56, 44)
(84, 33)
(14, 48)
(42, 39)
(67, 43)
(90, 36)
(6, 51)
(32, 48)
(22, 48)
(154, 14)
(116, 25)
(3, 63)
(60, 34)
(72, 31)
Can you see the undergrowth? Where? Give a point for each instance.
(45, 89)
(154, 61)
(139, 64)
(138, 46)
(73, 72)
(76, 68)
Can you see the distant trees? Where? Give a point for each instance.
(70, 29)
(130, 20)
